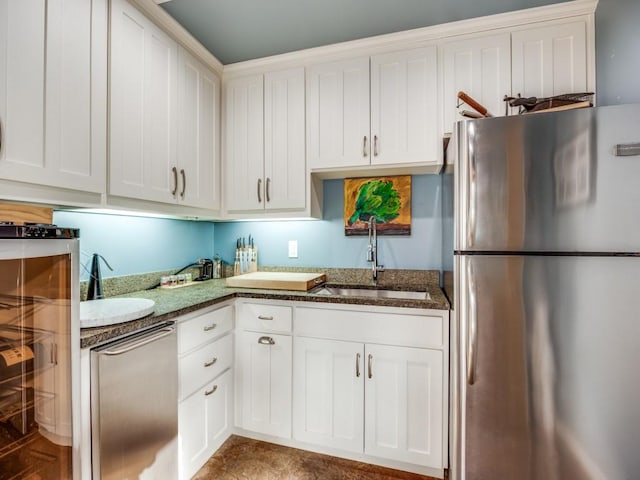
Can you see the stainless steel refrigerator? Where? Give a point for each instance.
(546, 330)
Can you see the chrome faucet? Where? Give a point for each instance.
(372, 250)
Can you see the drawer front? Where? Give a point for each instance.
(203, 328)
(203, 365)
(373, 327)
(264, 317)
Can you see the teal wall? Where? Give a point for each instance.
(138, 244)
(323, 243)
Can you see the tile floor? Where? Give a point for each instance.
(245, 459)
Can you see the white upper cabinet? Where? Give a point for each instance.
(143, 107)
(53, 93)
(404, 107)
(479, 66)
(198, 133)
(338, 130)
(165, 112)
(264, 160)
(381, 110)
(550, 60)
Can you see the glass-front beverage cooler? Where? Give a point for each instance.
(39, 352)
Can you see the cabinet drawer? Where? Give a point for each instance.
(375, 327)
(201, 329)
(265, 317)
(204, 364)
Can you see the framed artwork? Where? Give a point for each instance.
(388, 199)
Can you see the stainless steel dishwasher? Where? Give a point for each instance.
(134, 402)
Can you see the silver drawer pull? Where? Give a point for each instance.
(266, 341)
(209, 392)
(358, 365)
(208, 364)
(265, 317)
(626, 150)
(210, 327)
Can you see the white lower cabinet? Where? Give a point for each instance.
(264, 376)
(205, 358)
(328, 409)
(403, 404)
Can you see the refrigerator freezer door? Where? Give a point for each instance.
(554, 394)
(549, 182)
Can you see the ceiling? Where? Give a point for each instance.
(238, 30)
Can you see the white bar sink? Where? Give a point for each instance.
(109, 311)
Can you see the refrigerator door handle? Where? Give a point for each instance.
(471, 195)
(472, 330)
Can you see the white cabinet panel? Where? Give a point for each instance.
(404, 107)
(198, 156)
(284, 139)
(328, 399)
(403, 399)
(244, 146)
(53, 93)
(265, 373)
(204, 421)
(338, 114)
(550, 60)
(481, 67)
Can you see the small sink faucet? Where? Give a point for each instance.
(372, 251)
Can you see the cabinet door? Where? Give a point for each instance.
(404, 107)
(481, 67)
(550, 60)
(329, 391)
(284, 139)
(338, 114)
(403, 399)
(244, 145)
(198, 133)
(265, 372)
(52, 112)
(143, 108)
(204, 423)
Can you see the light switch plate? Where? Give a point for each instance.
(293, 249)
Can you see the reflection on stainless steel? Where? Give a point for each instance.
(372, 293)
(546, 282)
(134, 407)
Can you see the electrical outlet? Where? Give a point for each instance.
(293, 249)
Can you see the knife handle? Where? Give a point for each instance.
(259, 190)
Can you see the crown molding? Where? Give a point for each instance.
(165, 21)
(416, 37)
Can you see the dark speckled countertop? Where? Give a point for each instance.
(171, 303)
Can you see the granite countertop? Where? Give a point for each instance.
(171, 303)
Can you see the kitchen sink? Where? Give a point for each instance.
(372, 293)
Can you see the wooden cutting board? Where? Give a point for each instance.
(302, 281)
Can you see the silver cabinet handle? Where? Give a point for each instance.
(175, 181)
(375, 145)
(213, 360)
(209, 392)
(626, 150)
(208, 328)
(364, 146)
(266, 341)
(370, 362)
(266, 193)
(184, 182)
(140, 342)
(265, 317)
(472, 329)
(259, 190)
(357, 365)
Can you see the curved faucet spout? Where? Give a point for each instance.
(372, 250)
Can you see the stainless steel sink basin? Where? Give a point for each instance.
(372, 293)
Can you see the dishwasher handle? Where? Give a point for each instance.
(141, 341)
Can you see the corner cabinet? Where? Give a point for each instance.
(377, 111)
(265, 143)
(53, 93)
(165, 111)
